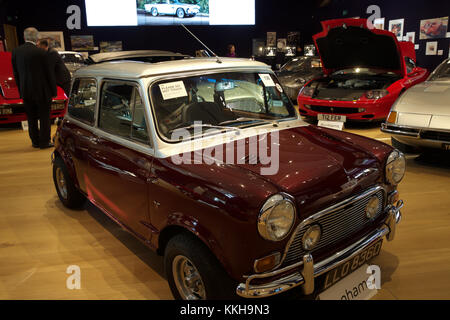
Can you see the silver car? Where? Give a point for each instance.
(420, 118)
(172, 7)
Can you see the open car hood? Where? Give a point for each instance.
(349, 43)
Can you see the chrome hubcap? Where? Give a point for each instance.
(180, 14)
(187, 279)
(61, 183)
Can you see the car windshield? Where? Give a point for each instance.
(220, 101)
(302, 64)
(442, 72)
(72, 58)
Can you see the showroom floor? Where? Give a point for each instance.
(40, 239)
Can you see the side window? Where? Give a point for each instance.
(122, 112)
(115, 114)
(139, 130)
(410, 65)
(83, 100)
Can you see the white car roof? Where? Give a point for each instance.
(135, 69)
(70, 52)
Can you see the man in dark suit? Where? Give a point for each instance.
(37, 86)
(62, 74)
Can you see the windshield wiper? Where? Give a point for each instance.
(243, 120)
(209, 126)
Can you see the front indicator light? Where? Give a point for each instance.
(267, 263)
(392, 118)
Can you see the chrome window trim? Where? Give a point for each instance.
(138, 86)
(312, 219)
(134, 145)
(96, 103)
(179, 75)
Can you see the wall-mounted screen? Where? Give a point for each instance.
(169, 12)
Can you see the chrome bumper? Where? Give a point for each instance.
(305, 276)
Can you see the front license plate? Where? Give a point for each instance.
(331, 117)
(355, 286)
(340, 272)
(446, 146)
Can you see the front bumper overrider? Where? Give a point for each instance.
(304, 272)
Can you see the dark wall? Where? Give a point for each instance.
(281, 16)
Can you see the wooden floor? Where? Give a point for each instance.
(40, 239)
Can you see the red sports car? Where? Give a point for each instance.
(365, 72)
(11, 106)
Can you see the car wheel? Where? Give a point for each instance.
(194, 273)
(154, 12)
(403, 147)
(180, 13)
(65, 188)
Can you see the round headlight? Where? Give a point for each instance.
(311, 237)
(395, 167)
(373, 207)
(277, 218)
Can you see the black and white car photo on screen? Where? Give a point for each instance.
(169, 12)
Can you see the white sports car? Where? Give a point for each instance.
(420, 118)
(172, 7)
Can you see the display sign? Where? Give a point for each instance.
(169, 12)
(173, 90)
(267, 80)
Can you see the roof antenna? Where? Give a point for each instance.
(215, 55)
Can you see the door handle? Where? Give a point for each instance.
(94, 140)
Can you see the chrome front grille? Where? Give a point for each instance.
(337, 223)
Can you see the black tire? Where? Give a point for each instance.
(180, 13)
(154, 12)
(216, 282)
(403, 147)
(71, 197)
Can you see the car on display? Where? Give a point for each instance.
(145, 143)
(420, 119)
(72, 60)
(150, 56)
(297, 72)
(365, 72)
(172, 7)
(12, 109)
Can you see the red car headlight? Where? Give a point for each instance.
(307, 92)
(376, 94)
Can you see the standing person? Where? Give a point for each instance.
(37, 86)
(231, 51)
(62, 74)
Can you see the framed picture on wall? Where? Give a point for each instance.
(55, 39)
(396, 27)
(411, 37)
(433, 28)
(110, 46)
(82, 43)
(271, 39)
(432, 48)
(379, 23)
(281, 45)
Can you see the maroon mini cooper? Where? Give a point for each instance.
(208, 163)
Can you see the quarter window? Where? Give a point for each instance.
(83, 100)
